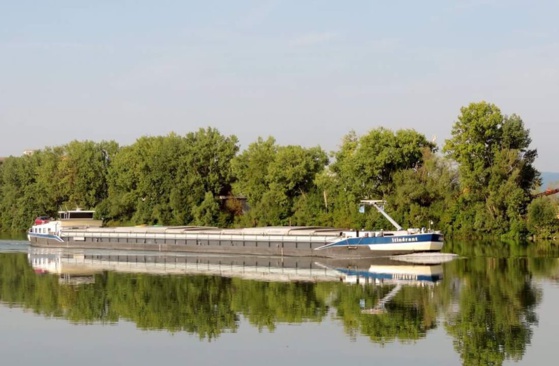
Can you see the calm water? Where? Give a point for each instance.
(497, 307)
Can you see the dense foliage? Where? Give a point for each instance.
(482, 182)
(275, 179)
(496, 169)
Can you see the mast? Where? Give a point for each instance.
(379, 205)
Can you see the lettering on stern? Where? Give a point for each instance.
(404, 240)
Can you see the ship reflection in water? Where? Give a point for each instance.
(80, 266)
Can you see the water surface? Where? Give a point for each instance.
(487, 308)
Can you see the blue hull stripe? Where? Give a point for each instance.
(46, 236)
(374, 240)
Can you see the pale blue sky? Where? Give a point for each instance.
(305, 72)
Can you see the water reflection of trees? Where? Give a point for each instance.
(495, 297)
(266, 303)
(202, 305)
(490, 303)
(209, 306)
(496, 309)
(407, 317)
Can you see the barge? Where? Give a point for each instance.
(78, 229)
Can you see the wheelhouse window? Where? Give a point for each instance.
(78, 214)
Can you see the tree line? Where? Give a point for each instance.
(480, 183)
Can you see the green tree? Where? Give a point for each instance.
(250, 168)
(425, 195)
(274, 178)
(207, 213)
(17, 190)
(364, 167)
(45, 181)
(164, 180)
(495, 166)
(80, 174)
(542, 217)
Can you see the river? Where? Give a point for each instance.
(495, 306)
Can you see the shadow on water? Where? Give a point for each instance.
(487, 303)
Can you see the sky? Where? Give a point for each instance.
(304, 72)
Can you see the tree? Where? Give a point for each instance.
(251, 169)
(542, 217)
(167, 179)
(273, 178)
(207, 213)
(425, 194)
(364, 167)
(17, 190)
(495, 166)
(80, 173)
(45, 181)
